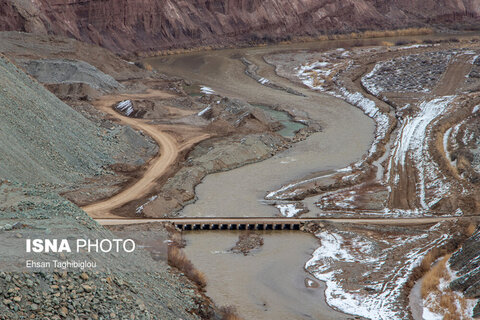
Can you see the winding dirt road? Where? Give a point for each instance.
(157, 166)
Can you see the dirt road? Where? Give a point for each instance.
(157, 166)
(378, 221)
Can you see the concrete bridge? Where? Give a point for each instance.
(238, 223)
(266, 223)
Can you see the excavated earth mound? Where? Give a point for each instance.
(43, 140)
(63, 71)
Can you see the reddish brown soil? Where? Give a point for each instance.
(130, 26)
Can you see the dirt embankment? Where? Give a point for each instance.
(169, 151)
(118, 25)
(127, 289)
(42, 137)
(407, 170)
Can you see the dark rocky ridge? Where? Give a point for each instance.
(130, 26)
(466, 263)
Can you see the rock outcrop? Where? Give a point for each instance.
(466, 263)
(129, 26)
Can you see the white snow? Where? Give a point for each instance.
(411, 142)
(414, 46)
(139, 210)
(206, 90)
(429, 315)
(263, 80)
(381, 303)
(463, 312)
(312, 74)
(126, 107)
(288, 210)
(368, 82)
(476, 109)
(201, 113)
(446, 135)
(277, 193)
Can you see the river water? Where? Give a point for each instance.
(269, 283)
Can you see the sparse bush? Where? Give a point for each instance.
(470, 230)
(178, 259)
(432, 278)
(229, 313)
(401, 42)
(147, 66)
(453, 40)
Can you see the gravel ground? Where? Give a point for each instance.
(44, 140)
(158, 294)
(63, 71)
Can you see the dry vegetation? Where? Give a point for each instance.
(178, 259)
(470, 230)
(431, 280)
(229, 313)
(439, 297)
(260, 43)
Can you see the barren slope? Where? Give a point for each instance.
(44, 140)
(128, 26)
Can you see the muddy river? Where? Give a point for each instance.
(270, 283)
(346, 132)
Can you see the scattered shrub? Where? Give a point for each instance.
(178, 259)
(432, 278)
(147, 66)
(229, 313)
(470, 230)
(401, 42)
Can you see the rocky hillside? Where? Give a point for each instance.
(128, 25)
(43, 140)
(466, 263)
(115, 293)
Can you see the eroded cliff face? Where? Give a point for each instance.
(143, 25)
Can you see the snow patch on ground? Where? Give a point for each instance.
(206, 90)
(429, 315)
(414, 46)
(126, 107)
(313, 74)
(431, 302)
(139, 210)
(288, 210)
(263, 81)
(411, 142)
(277, 194)
(201, 113)
(340, 251)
